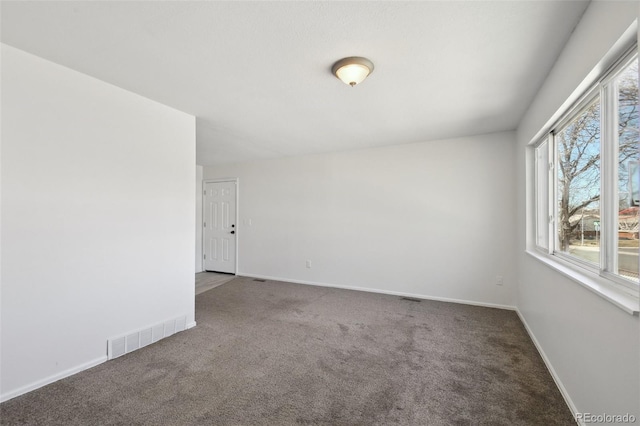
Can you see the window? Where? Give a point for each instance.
(577, 146)
(587, 179)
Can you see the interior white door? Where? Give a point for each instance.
(219, 227)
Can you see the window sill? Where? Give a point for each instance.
(597, 284)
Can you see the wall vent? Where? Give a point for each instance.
(169, 328)
(116, 347)
(145, 337)
(158, 332)
(133, 342)
(130, 342)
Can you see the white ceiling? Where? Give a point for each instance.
(257, 74)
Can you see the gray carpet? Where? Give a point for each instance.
(272, 353)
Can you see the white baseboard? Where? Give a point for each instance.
(53, 378)
(375, 290)
(552, 371)
(190, 325)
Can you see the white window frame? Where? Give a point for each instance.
(613, 287)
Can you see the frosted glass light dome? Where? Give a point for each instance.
(352, 70)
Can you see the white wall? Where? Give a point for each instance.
(98, 218)
(592, 345)
(432, 219)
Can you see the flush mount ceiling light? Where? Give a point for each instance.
(352, 70)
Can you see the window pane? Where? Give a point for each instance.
(542, 195)
(628, 159)
(578, 216)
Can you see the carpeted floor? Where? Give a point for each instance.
(272, 353)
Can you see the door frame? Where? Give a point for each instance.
(237, 185)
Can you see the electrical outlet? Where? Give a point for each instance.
(499, 280)
(308, 264)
